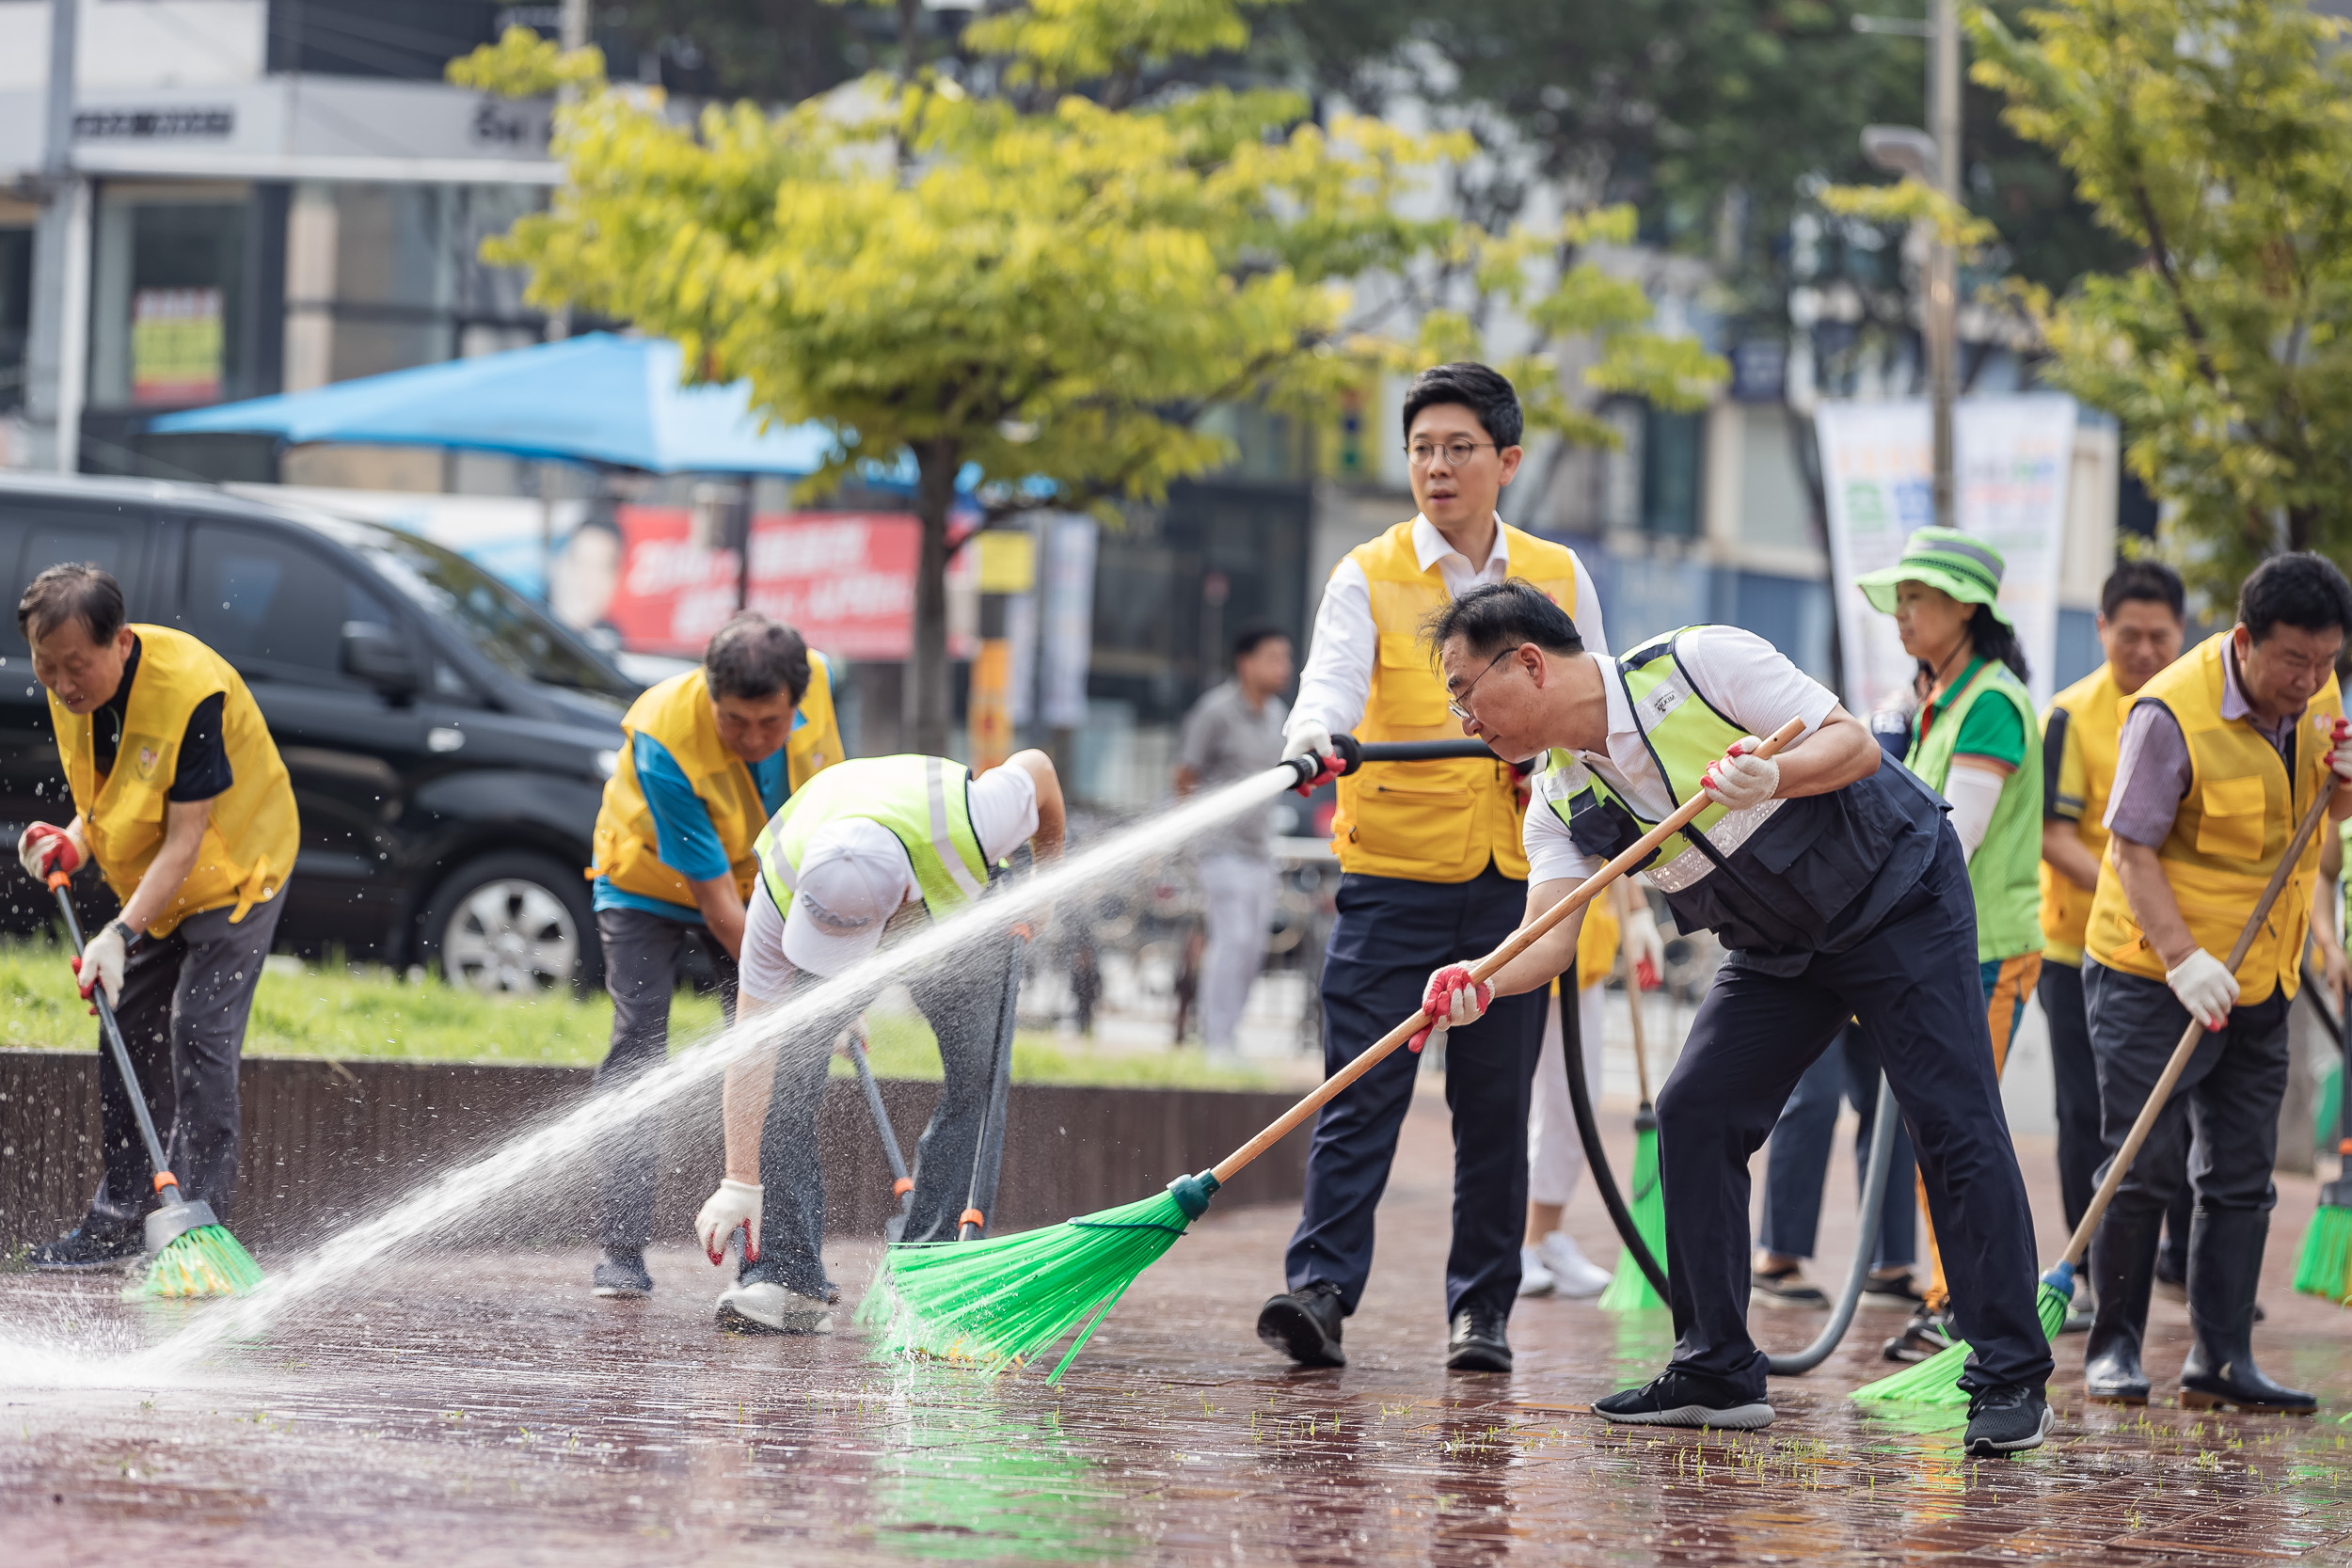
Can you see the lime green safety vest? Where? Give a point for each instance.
(919, 799)
(2005, 873)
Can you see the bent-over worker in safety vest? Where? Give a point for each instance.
(181, 799)
(869, 846)
(710, 756)
(1839, 892)
(2221, 756)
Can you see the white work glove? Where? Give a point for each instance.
(1644, 949)
(45, 847)
(100, 963)
(855, 1039)
(1738, 780)
(1310, 737)
(734, 1206)
(2338, 753)
(2206, 986)
(1451, 1001)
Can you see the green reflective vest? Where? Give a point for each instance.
(919, 799)
(2005, 873)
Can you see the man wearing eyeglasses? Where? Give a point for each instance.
(1432, 872)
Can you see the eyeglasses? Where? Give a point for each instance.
(1458, 453)
(1457, 705)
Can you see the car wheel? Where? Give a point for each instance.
(512, 925)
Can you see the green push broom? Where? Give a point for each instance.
(1629, 1290)
(1936, 1380)
(1000, 1302)
(2325, 1266)
(190, 1252)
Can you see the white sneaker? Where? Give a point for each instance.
(1534, 1280)
(769, 1308)
(1577, 1276)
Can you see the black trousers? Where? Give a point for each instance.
(186, 999)
(1915, 986)
(1389, 934)
(2219, 1130)
(641, 955)
(2075, 1071)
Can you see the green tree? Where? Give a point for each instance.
(1040, 291)
(2215, 137)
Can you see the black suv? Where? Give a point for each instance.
(448, 741)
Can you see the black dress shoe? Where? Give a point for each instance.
(1478, 1342)
(1304, 1324)
(92, 1246)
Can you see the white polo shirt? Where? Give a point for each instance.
(1745, 679)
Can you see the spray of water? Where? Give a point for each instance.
(463, 1191)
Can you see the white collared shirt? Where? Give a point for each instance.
(1747, 679)
(1337, 682)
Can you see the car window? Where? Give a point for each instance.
(272, 607)
(39, 533)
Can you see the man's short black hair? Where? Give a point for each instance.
(2152, 580)
(74, 590)
(1254, 637)
(1481, 389)
(1498, 615)
(753, 657)
(2302, 588)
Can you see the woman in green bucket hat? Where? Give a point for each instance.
(1972, 737)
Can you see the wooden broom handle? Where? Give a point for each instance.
(1512, 947)
(2120, 1165)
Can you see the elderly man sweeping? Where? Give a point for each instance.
(1838, 891)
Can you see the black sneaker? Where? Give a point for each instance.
(2008, 1420)
(1304, 1324)
(1479, 1342)
(1784, 1286)
(1927, 1334)
(1679, 1400)
(87, 1248)
(622, 1275)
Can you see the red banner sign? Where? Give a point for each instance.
(845, 579)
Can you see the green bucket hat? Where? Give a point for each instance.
(1961, 564)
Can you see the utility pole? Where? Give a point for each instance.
(56, 355)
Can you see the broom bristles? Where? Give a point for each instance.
(1936, 1380)
(1000, 1302)
(205, 1261)
(2325, 1266)
(1629, 1290)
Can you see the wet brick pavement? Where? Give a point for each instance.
(476, 1407)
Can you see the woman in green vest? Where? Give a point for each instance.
(1973, 739)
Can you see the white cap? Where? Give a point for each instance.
(852, 878)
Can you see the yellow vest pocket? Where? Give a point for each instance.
(2232, 816)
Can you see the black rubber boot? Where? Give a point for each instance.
(2225, 1260)
(1304, 1324)
(2123, 1272)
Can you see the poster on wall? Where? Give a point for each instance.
(2012, 459)
(176, 340)
(846, 579)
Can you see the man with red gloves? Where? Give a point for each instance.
(1839, 892)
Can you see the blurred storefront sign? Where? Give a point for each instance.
(175, 346)
(846, 579)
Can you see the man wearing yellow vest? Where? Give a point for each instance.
(2220, 756)
(868, 846)
(2143, 611)
(181, 799)
(1431, 870)
(708, 757)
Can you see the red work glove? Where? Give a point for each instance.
(1453, 1000)
(45, 848)
(2338, 755)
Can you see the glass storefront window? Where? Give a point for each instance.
(167, 298)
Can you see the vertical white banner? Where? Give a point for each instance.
(1066, 629)
(2012, 458)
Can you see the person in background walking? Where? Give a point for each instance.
(1973, 739)
(1235, 729)
(708, 757)
(181, 798)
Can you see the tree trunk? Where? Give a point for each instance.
(926, 686)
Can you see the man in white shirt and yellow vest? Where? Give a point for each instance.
(2221, 754)
(181, 800)
(1432, 871)
(710, 756)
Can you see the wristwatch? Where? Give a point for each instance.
(129, 937)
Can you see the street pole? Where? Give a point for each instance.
(56, 355)
(1943, 305)
(572, 33)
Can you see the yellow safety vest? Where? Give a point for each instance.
(677, 714)
(1596, 943)
(2232, 827)
(253, 833)
(2095, 732)
(1430, 821)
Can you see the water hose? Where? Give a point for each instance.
(1857, 1273)
(1353, 754)
(1596, 1157)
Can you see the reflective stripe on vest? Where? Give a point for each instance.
(908, 795)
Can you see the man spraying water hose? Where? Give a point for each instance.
(710, 755)
(1838, 891)
(867, 845)
(183, 804)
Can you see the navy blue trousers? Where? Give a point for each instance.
(1915, 986)
(1389, 934)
